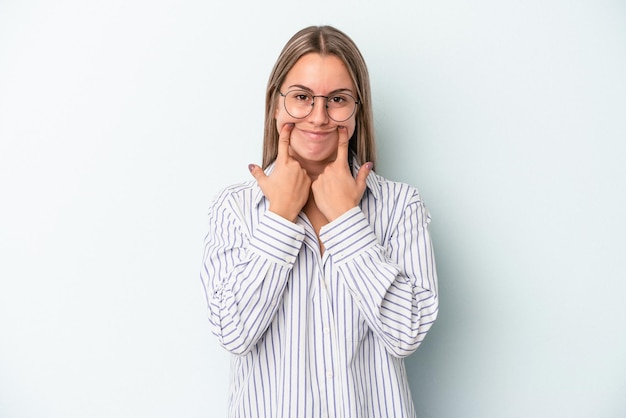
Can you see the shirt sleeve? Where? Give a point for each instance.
(244, 272)
(395, 285)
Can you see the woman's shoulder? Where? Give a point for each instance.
(242, 193)
(388, 189)
(241, 187)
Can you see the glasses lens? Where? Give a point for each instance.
(340, 107)
(299, 104)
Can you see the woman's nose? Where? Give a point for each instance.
(319, 113)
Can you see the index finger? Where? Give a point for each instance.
(283, 141)
(342, 149)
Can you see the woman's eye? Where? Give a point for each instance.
(302, 97)
(337, 99)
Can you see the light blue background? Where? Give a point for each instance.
(120, 120)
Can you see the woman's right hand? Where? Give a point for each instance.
(288, 186)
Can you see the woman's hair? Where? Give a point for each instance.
(324, 40)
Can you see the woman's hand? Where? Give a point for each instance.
(288, 186)
(335, 190)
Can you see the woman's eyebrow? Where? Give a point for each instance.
(301, 87)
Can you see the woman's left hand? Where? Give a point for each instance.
(335, 190)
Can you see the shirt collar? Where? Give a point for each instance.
(372, 182)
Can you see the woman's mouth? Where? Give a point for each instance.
(317, 135)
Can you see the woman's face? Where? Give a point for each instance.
(315, 138)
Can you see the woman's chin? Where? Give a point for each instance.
(314, 154)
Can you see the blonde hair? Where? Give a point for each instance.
(324, 40)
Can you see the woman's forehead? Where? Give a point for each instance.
(319, 73)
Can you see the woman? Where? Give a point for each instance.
(319, 273)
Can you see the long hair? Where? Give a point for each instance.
(324, 40)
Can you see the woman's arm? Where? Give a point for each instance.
(394, 287)
(244, 271)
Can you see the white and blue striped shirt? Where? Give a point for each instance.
(320, 335)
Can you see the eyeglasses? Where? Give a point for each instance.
(299, 104)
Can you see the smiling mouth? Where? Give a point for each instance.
(317, 134)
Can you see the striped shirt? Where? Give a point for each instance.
(320, 335)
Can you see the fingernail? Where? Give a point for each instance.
(369, 166)
(251, 167)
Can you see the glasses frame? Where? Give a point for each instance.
(314, 96)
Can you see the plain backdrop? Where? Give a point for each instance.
(120, 120)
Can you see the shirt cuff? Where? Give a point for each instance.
(348, 236)
(277, 239)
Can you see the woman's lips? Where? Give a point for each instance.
(317, 135)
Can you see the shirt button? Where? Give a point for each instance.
(288, 259)
(326, 330)
(329, 374)
(299, 237)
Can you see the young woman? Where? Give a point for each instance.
(319, 273)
